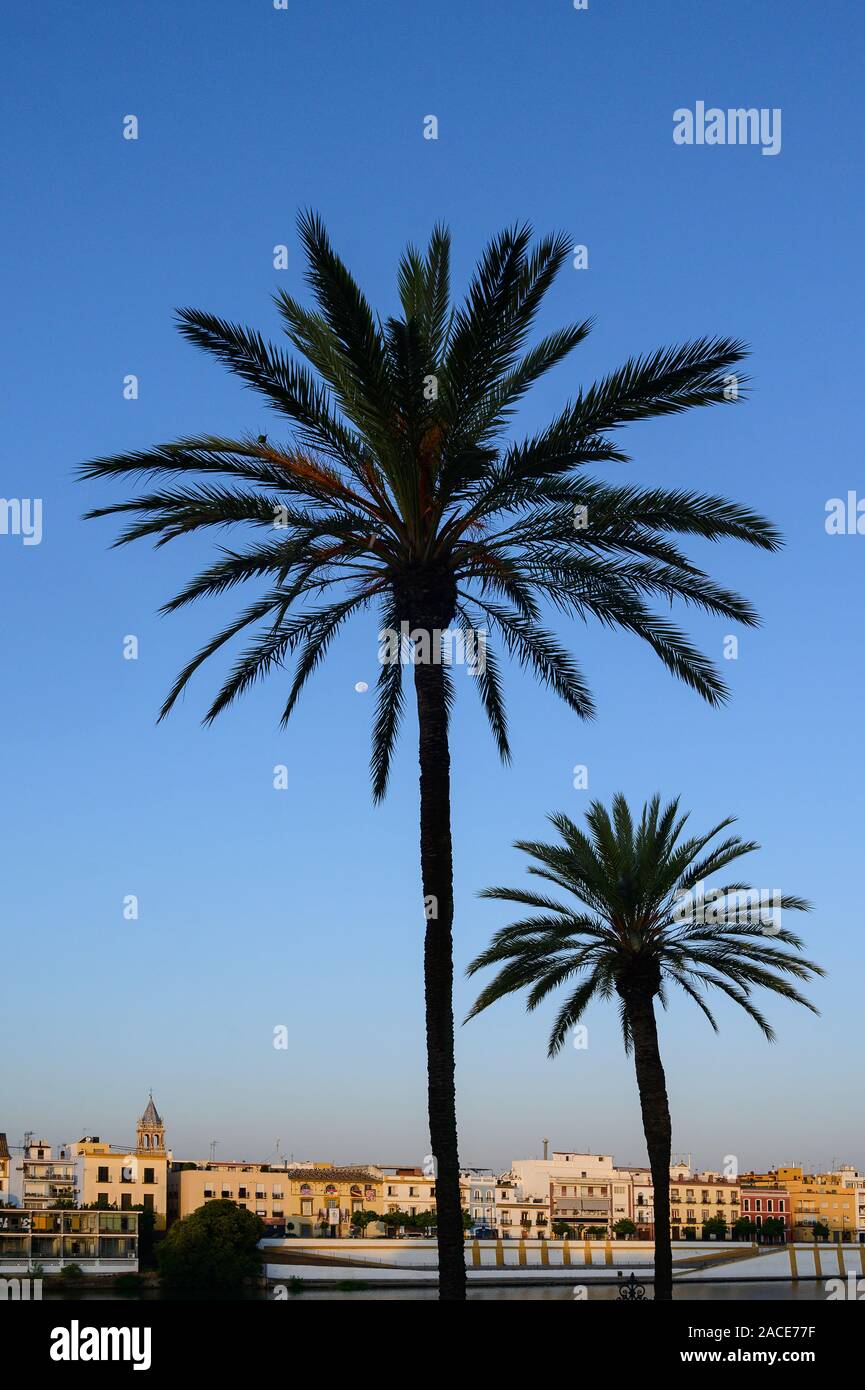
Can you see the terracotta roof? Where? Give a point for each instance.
(332, 1174)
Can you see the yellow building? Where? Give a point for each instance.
(409, 1189)
(696, 1200)
(119, 1179)
(306, 1199)
(822, 1197)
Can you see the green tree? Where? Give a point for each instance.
(772, 1229)
(395, 1220)
(211, 1250)
(399, 487)
(820, 1230)
(640, 926)
(744, 1229)
(362, 1219)
(715, 1227)
(624, 1229)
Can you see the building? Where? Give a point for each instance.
(765, 1198)
(123, 1179)
(46, 1182)
(478, 1193)
(832, 1199)
(701, 1198)
(408, 1189)
(101, 1242)
(303, 1200)
(520, 1213)
(5, 1192)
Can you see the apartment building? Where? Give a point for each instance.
(114, 1177)
(701, 1198)
(303, 1200)
(478, 1193)
(832, 1199)
(101, 1242)
(765, 1198)
(46, 1180)
(407, 1189)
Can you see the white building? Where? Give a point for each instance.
(42, 1180)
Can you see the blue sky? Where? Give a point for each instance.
(260, 908)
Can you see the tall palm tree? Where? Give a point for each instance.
(641, 923)
(398, 487)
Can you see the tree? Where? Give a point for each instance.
(715, 1228)
(362, 1219)
(640, 926)
(398, 487)
(395, 1220)
(213, 1249)
(624, 1229)
(146, 1236)
(772, 1229)
(820, 1230)
(744, 1229)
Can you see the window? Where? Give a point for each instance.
(226, 1192)
(259, 1193)
(126, 1201)
(306, 1207)
(209, 1192)
(149, 1175)
(102, 1199)
(148, 1201)
(102, 1175)
(241, 1191)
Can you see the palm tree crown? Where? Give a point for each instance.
(398, 488)
(641, 921)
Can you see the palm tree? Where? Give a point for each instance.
(640, 924)
(398, 487)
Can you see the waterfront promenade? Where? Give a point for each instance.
(401, 1262)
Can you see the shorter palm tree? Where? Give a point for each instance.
(643, 922)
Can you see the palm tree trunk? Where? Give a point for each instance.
(437, 873)
(657, 1128)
